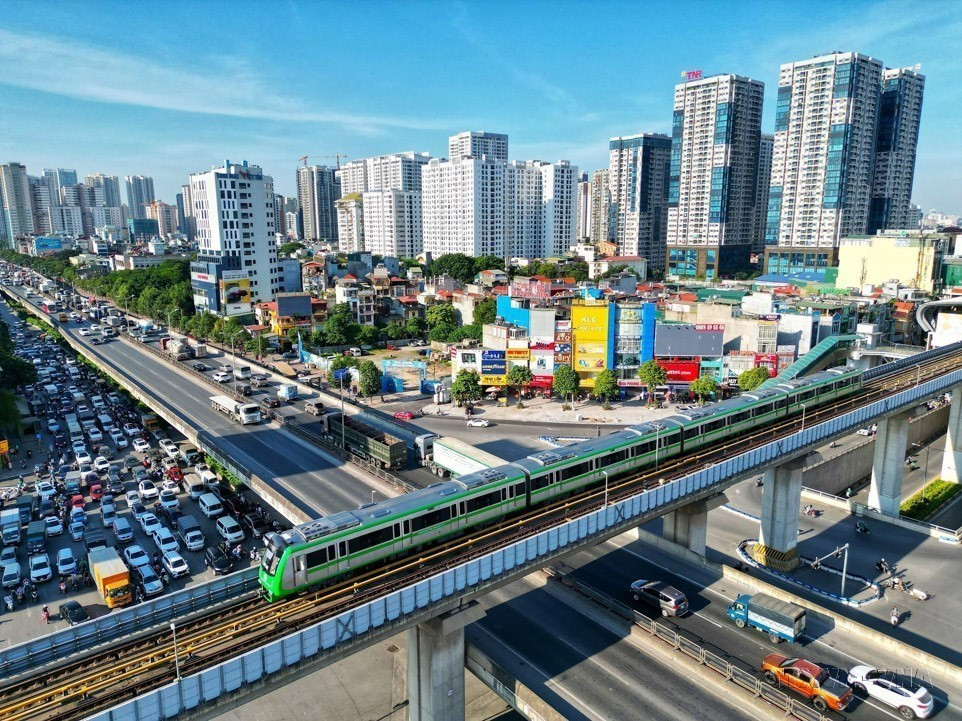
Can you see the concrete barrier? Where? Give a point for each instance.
(521, 698)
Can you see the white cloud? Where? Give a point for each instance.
(64, 67)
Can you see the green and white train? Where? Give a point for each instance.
(312, 554)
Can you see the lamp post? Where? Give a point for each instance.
(606, 489)
(180, 691)
(233, 356)
(803, 415)
(925, 478)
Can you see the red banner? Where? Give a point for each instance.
(541, 381)
(681, 372)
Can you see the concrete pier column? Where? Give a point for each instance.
(952, 458)
(436, 665)
(888, 464)
(781, 502)
(688, 526)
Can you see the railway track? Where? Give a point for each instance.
(92, 681)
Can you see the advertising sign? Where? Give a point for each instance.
(630, 383)
(688, 340)
(589, 327)
(235, 292)
(492, 355)
(468, 358)
(681, 371)
(517, 354)
(493, 380)
(542, 344)
(542, 363)
(542, 381)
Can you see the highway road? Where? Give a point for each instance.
(315, 481)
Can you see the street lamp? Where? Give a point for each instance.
(180, 688)
(233, 356)
(606, 489)
(803, 415)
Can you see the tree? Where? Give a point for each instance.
(703, 388)
(368, 335)
(467, 386)
(9, 414)
(416, 326)
(485, 312)
(488, 262)
(465, 332)
(337, 329)
(606, 385)
(256, 345)
(441, 313)
(290, 248)
(458, 266)
(652, 375)
(617, 270)
(518, 377)
(341, 362)
(16, 371)
(369, 382)
(752, 378)
(395, 330)
(440, 333)
(566, 382)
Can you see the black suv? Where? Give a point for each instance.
(254, 524)
(271, 402)
(216, 559)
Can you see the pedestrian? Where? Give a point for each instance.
(849, 492)
(45, 613)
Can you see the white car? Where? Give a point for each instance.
(40, 568)
(46, 489)
(148, 491)
(230, 530)
(136, 556)
(170, 448)
(118, 438)
(131, 430)
(165, 540)
(140, 445)
(226, 368)
(131, 497)
(95, 435)
(101, 464)
(78, 446)
(66, 563)
(149, 523)
(175, 564)
(94, 326)
(222, 377)
(84, 331)
(83, 458)
(892, 690)
(54, 526)
(168, 499)
(478, 423)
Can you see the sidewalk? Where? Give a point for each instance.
(545, 411)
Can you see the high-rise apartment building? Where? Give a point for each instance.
(350, 223)
(600, 221)
(317, 189)
(279, 217)
(185, 212)
(165, 215)
(638, 181)
(584, 207)
(557, 215)
(15, 203)
(236, 250)
(42, 204)
(400, 171)
(140, 192)
(822, 163)
(714, 172)
(477, 143)
(765, 148)
(393, 223)
(896, 140)
(111, 188)
(59, 178)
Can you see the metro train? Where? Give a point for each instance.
(313, 553)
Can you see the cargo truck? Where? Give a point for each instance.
(781, 620)
(146, 327)
(176, 348)
(25, 508)
(36, 537)
(200, 350)
(447, 455)
(10, 525)
(381, 448)
(243, 413)
(111, 576)
(287, 392)
(116, 322)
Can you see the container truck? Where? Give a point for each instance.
(243, 413)
(200, 350)
(111, 576)
(116, 322)
(36, 537)
(450, 456)
(381, 448)
(781, 620)
(10, 525)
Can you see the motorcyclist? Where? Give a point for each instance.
(861, 527)
(895, 615)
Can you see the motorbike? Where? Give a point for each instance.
(862, 529)
(810, 511)
(895, 616)
(760, 481)
(8, 600)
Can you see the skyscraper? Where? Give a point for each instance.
(280, 219)
(350, 223)
(164, 214)
(600, 222)
(317, 189)
(638, 181)
(40, 200)
(140, 192)
(59, 178)
(765, 148)
(896, 140)
(477, 143)
(822, 163)
(584, 207)
(111, 188)
(185, 209)
(393, 223)
(714, 172)
(398, 171)
(15, 203)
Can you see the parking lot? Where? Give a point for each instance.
(116, 482)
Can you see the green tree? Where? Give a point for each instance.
(466, 386)
(465, 332)
(617, 270)
(752, 378)
(442, 332)
(16, 371)
(256, 345)
(606, 385)
(369, 382)
(441, 313)
(485, 312)
(341, 362)
(704, 388)
(652, 375)
(416, 327)
(395, 330)
(337, 329)
(566, 382)
(9, 414)
(290, 248)
(518, 377)
(458, 266)
(368, 335)
(318, 339)
(488, 262)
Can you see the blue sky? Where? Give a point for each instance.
(165, 89)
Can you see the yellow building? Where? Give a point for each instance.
(910, 257)
(591, 336)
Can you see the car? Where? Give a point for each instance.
(89, 475)
(115, 484)
(169, 485)
(270, 402)
(807, 679)
(47, 508)
(54, 526)
(131, 497)
(76, 501)
(172, 515)
(96, 492)
(478, 423)
(217, 560)
(289, 355)
(902, 693)
(95, 435)
(123, 531)
(94, 326)
(108, 511)
(200, 367)
(66, 563)
(148, 491)
(191, 455)
(225, 368)
(83, 458)
(8, 555)
(141, 446)
(148, 581)
(255, 524)
(175, 564)
(222, 377)
(119, 439)
(168, 499)
(175, 475)
(78, 447)
(46, 490)
(168, 463)
(85, 332)
(77, 531)
(165, 540)
(149, 523)
(52, 425)
(140, 474)
(138, 510)
(132, 430)
(404, 415)
(230, 530)
(101, 464)
(669, 600)
(40, 570)
(11, 574)
(96, 341)
(866, 431)
(73, 613)
(170, 448)
(136, 556)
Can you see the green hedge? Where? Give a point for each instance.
(936, 493)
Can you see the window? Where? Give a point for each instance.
(316, 558)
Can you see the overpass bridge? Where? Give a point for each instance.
(433, 595)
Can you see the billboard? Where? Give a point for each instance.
(235, 292)
(689, 340)
(493, 362)
(589, 328)
(540, 381)
(517, 354)
(45, 245)
(542, 363)
(493, 379)
(681, 371)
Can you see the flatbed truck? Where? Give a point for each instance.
(383, 449)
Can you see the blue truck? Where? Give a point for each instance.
(781, 620)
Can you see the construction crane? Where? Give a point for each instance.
(337, 156)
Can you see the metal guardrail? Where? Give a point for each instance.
(124, 622)
(909, 362)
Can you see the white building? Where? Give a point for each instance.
(110, 185)
(67, 220)
(15, 203)
(765, 148)
(350, 223)
(714, 173)
(166, 217)
(638, 170)
(600, 221)
(140, 192)
(821, 186)
(584, 208)
(398, 171)
(317, 189)
(58, 179)
(477, 143)
(900, 110)
(559, 208)
(40, 199)
(234, 208)
(393, 223)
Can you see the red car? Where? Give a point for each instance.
(175, 474)
(77, 501)
(404, 415)
(96, 492)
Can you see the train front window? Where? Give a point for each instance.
(275, 550)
